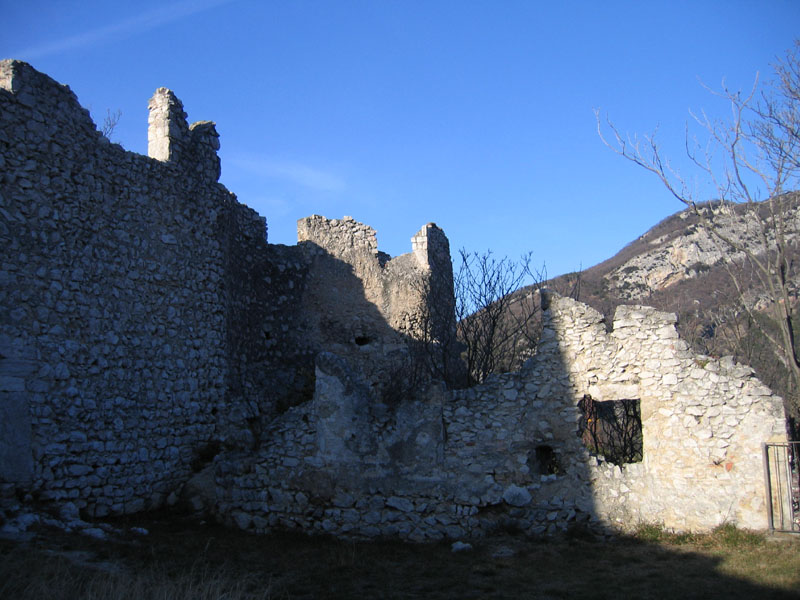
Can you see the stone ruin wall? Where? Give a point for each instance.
(393, 285)
(470, 462)
(703, 419)
(146, 321)
(365, 305)
(115, 363)
(334, 291)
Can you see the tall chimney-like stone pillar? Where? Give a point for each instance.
(168, 132)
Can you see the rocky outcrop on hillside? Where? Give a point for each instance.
(686, 250)
(679, 266)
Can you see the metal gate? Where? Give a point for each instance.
(782, 478)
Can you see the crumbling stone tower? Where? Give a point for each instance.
(171, 139)
(372, 308)
(403, 287)
(432, 251)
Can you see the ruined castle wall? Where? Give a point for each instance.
(114, 349)
(703, 423)
(395, 286)
(344, 290)
(281, 370)
(366, 306)
(457, 464)
(507, 453)
(418, 288)
(453, 464)
(146, 323)
(248, 298)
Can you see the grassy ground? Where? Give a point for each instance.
(180, 559)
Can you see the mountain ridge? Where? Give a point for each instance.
(679, 266)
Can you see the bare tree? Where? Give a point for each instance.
(752, 161)
(494, 305)
(498, 328)
(110, 122)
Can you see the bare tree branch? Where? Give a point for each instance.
(752, 160)
(110, 122)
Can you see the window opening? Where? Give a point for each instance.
(612, 429)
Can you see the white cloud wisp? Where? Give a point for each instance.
(123, 29)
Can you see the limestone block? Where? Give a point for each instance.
(517, 496)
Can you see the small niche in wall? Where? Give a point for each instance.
(204, 455)
(362, 340)
(543, 460)
(612, 429)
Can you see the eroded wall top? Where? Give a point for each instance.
(116, 363)
(171, 139)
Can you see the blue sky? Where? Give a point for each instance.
(476, 115)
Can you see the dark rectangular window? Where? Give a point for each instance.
(612, 429)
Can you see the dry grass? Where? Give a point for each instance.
(180, 560)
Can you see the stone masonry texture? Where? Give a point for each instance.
(149, 331)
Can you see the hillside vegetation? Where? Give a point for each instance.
(678, 267)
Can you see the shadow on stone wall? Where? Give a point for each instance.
(508, 454)
(501, 456)
(113, 357)
(149, 323)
